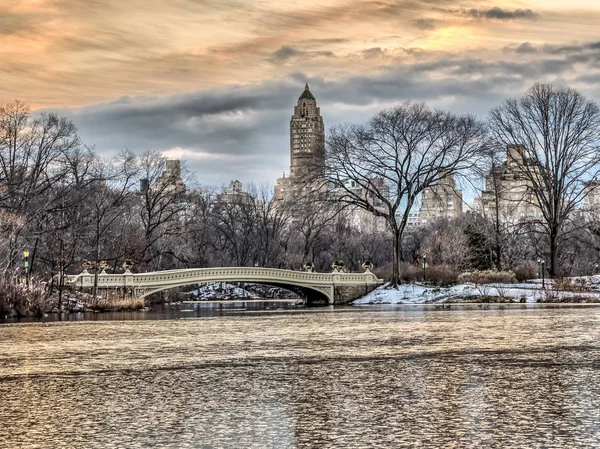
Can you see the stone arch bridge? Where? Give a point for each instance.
(316, 288)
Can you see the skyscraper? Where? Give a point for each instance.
(307, 145)
(307, 136)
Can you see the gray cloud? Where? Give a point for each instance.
(375, 52)
(502, 14)
(286, 53)
(569, 49)
(424, 24)
(525, 48)
(243, 131)
(324, 41)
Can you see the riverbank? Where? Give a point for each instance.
(18, 301)
(572, 290)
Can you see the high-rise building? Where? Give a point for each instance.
(591, 200)
(235, 194)
(307, 161)
(508, 192)
(170, 180)
(307, 136)
(443, 200)
(307, 146)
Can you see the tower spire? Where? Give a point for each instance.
(306, 87)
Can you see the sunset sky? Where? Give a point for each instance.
(214, 82)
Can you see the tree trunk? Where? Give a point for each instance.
(95, 289)
(61, 270)
(553, 262)
(396, 263)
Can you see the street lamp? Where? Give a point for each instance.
(26, 266)
(541, 263)
(596, 268)
(424, 265)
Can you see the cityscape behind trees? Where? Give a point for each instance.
(351, 196)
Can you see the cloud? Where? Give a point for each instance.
(502, 14)
(375, 52)
(570, 49)
(14, 23)
(524, 48)
(424, 24)
(328, 41)
(242, 131)
(286, 53)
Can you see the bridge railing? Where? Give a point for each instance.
(221, 274)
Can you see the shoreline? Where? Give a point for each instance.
(128, 314)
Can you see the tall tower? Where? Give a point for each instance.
(307, 137)
(307, 147)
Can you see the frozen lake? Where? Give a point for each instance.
(377, 377)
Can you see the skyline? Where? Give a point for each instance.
(216, 84)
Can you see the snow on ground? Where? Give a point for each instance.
(220, 291)
(588, 287)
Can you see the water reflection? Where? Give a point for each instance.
(173, 311)
(316, 379)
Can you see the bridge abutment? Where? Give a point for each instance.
(345, 294)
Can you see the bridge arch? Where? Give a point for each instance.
(311, 295)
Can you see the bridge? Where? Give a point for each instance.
(316, 288)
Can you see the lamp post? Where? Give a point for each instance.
(596, 268)
(424, 265)
(26, 266)
(541, 263)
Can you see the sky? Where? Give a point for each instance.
(214, 82)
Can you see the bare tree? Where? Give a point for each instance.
(311, 221)
(199, 235)
(273, 220)
(110, 191)
(163, 203)
(557, 132)
(384, 166)
(31, 150)
(235, 218)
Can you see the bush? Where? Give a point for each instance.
(17, 299)
(487, 277)
(526, 271)
(578, 285)
(116, 303)
(439, 275)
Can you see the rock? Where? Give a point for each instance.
(78, 307)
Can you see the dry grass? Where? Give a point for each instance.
(488, 277)
(114, 303)
(17, 299)
(577, 285)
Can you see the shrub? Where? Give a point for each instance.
(22, 300)
(114, 303)
(526, 271)
(440, 275)
(575, 285)
(411, 273)
(488, 277)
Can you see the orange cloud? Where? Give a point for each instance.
(73, 52)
